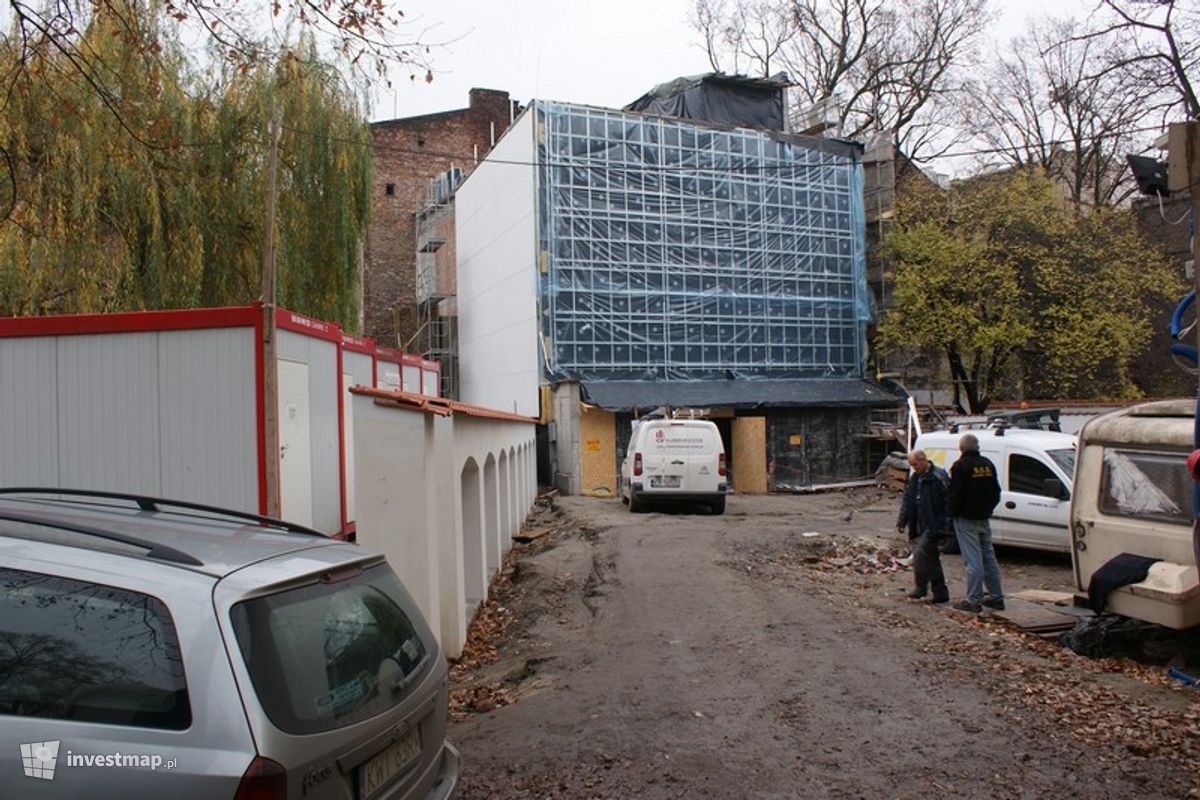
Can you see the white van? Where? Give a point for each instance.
(1133, 494)
(674, 459)
(1035, 470)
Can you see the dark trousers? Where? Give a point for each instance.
(927, 566)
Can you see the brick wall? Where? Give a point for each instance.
(408, 153)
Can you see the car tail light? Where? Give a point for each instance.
(264, 779)
(637, 463)
(721, 465)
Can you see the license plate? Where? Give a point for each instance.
(665, 482)
(380, 770)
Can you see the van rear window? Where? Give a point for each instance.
(1146, 485)
(680, 439)
(330, 654)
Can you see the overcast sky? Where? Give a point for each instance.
(597, 53)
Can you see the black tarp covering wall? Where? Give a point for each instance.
(724, 99)
(812, 446)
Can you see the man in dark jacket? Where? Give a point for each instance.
(925, 516)
(974, 492)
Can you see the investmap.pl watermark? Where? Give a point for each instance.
(41, 759)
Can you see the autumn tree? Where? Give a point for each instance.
(162, 204)
(1022, 291)
(888, 64)
(1154, 45)
(1048, 101)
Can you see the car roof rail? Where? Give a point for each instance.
(157, 504)
(153, 549)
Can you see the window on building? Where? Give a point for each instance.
(390, 189)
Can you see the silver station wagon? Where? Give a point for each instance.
(158, 649)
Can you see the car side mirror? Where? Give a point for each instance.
(1052, 487)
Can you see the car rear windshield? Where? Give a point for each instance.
(680, 439)
(331, 654)
(87, 652)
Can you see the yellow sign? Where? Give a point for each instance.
(592, 445)
(795, 440)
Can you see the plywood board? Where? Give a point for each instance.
(597, 452)
(750, 455)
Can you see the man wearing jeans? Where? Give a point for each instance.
(974, 492)
(924, 515)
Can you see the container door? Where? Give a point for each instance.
(295, 444)
(1029, 515)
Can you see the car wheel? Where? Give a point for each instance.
(636, 504)
(718, 506)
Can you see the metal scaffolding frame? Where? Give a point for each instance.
(675, 250)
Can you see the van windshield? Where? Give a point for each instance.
(1065, 458)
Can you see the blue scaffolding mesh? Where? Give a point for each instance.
(678, 251)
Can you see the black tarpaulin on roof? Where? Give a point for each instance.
(726, 99)
(644, 395)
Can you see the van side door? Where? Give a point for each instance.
(1029, 514)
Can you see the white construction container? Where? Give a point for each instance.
(171, 404)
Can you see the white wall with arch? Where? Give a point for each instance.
(441, 488)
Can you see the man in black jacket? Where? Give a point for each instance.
(924, 515)
(974, 492)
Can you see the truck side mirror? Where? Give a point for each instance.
(1052, 487)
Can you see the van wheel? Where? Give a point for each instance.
(636, 504)
(717, 506)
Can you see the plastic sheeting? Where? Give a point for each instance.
(675, 251)
(1137, 484)
(728, 99)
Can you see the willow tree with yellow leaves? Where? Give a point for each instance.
(1023, 292)
(135, 179)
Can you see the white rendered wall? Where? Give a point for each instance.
(496, 241)
(410, 503)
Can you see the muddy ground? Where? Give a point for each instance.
(770, 652)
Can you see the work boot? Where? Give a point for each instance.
(994, 602)
(968, 606)
(939, 599)
(915, 594)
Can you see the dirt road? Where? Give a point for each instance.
(679, 655)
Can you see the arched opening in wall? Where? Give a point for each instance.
(505, 501)
(522, 488)
(474, 549)
(491, 514)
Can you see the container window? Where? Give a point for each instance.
(331, 654)
(1146, 485)
(88, 652)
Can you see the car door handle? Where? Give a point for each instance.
(1010, 504)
